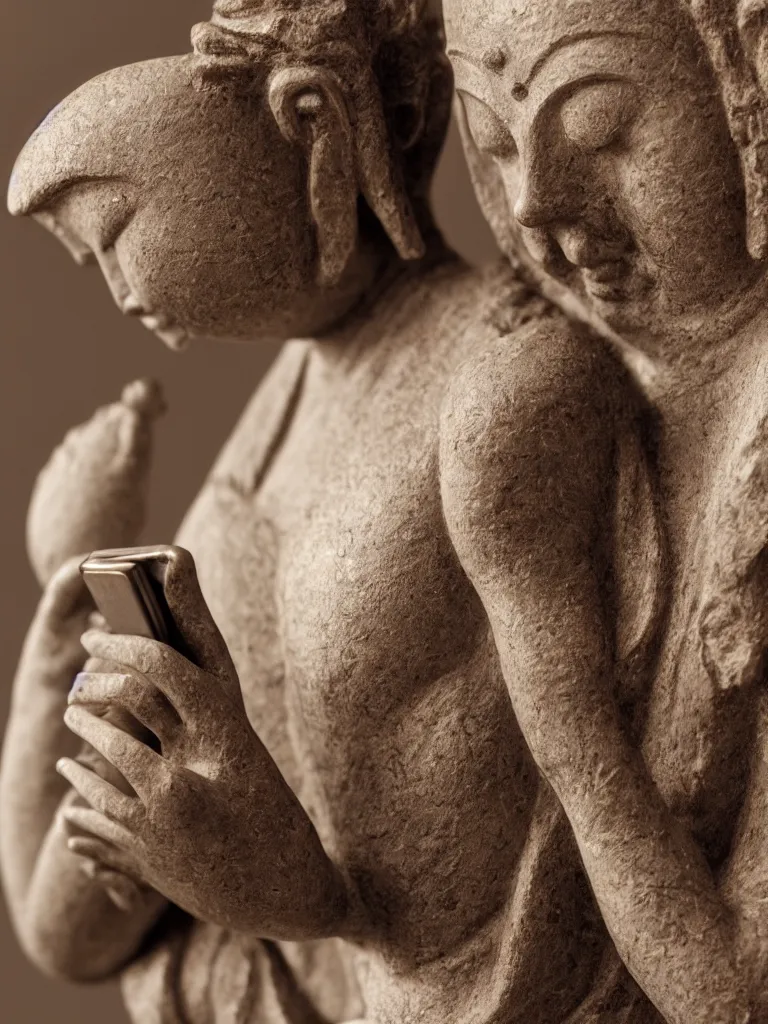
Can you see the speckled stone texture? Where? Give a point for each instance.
(470, 722)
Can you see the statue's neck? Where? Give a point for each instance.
(383, 275)
(699, 354)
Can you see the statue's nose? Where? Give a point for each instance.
(551, 185)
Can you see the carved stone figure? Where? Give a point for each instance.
(620, 151)
(482, 735)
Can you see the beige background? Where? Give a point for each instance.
(65, 350)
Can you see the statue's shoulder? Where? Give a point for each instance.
(548, 374)
(528, 435)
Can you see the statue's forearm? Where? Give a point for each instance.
(71, 928)
(671, 926)
(30, 789)
(66, 922)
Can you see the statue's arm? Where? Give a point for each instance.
(208, 820)
(526, 462)
(66, 922)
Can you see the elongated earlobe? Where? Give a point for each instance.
(308, 105)
(380, 173)
(345, 162)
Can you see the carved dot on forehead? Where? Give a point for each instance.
(519, 92)
(495, 59)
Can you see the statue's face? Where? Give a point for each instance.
(596, 133)
(190, 199)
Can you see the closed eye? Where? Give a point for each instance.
(116, 211)
(596, 114)
(94, 210)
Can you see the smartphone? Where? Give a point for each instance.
(127, 588)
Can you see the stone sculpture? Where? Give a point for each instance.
(483, 735)
(624, 147)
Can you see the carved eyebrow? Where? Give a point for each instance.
(483, 64)
(570, 40)
(51, 193)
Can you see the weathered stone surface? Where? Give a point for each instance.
(470, 723)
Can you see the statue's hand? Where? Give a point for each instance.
(92, 492)
(212, 825)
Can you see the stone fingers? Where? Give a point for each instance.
(84, 820)
(191, 692)
(143, 769)
(99, 794)
(134, 694)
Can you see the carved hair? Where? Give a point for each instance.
(734, 34)
(387, 56)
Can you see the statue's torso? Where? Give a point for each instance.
(368, 669)
(364, 656)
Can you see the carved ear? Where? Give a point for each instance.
(308, 105)
(310, 108)
(752, 18)
(380, 172)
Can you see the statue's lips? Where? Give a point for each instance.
(606, 280)
(607, 272)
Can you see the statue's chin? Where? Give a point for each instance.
(171, 334)
(621, 300)
(176, 338)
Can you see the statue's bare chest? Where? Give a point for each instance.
(336, 573)
(364, 655)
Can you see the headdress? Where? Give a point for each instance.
(347, 42)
